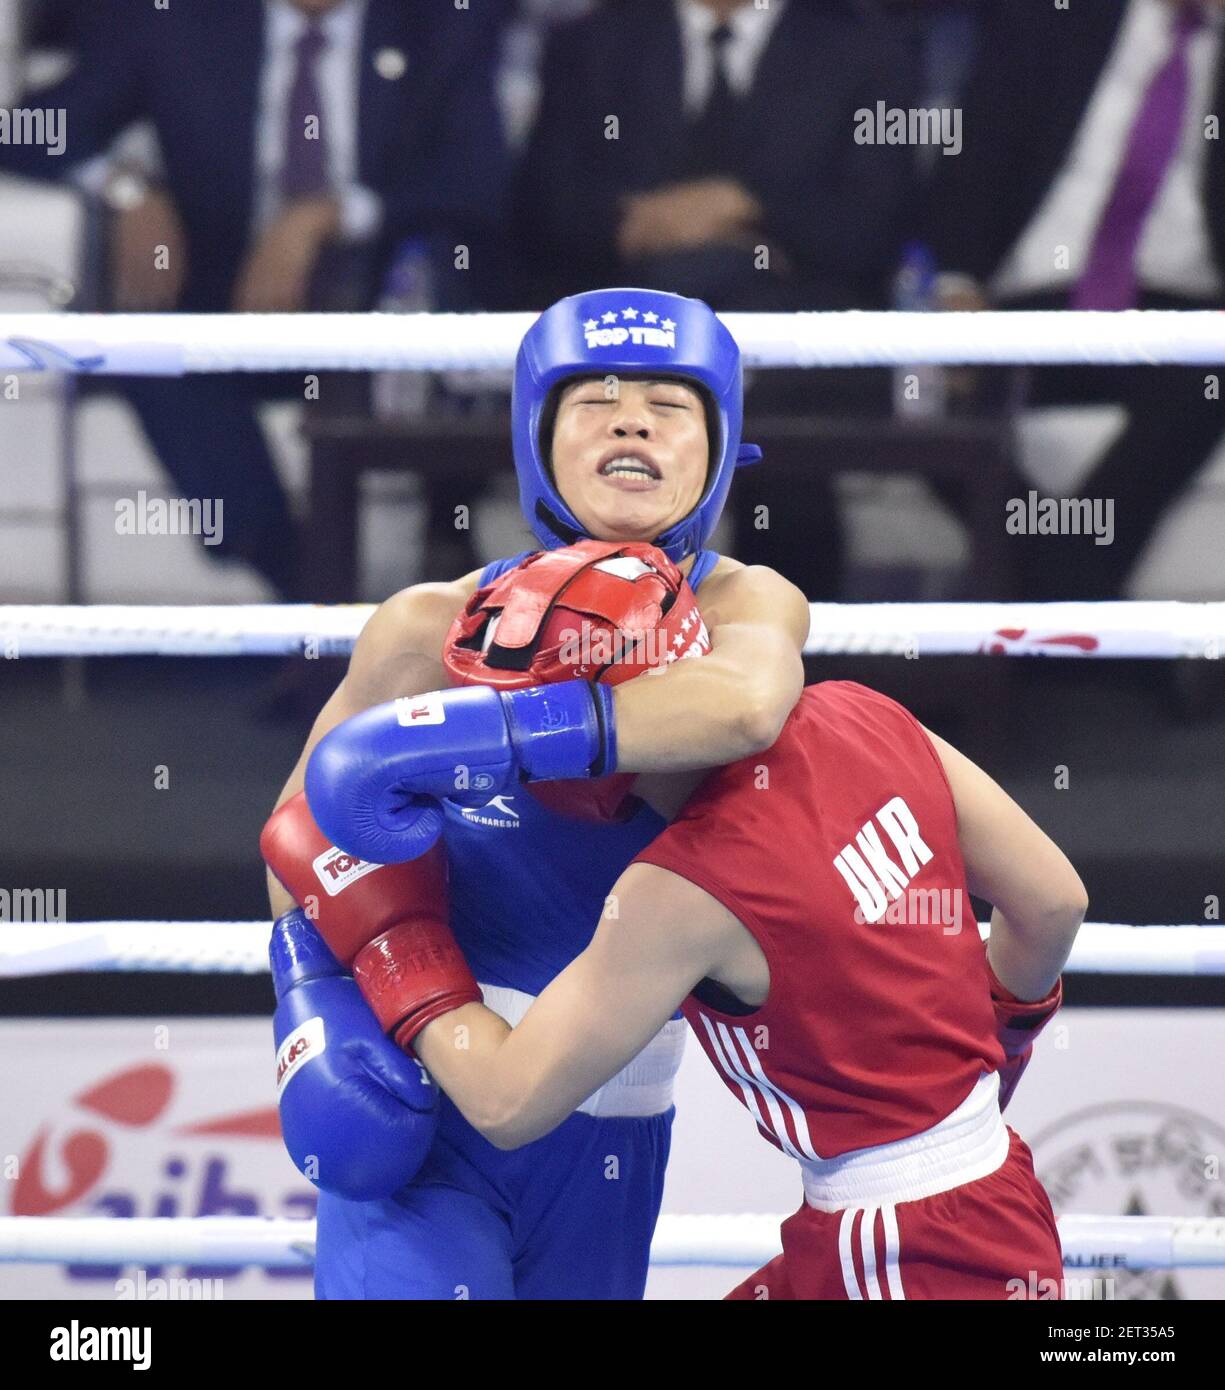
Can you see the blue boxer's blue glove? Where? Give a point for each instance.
(373, 783)
(357, 1115)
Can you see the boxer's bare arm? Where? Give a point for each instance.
(1038, 899)
(734, 701)
(596, 1016)
(399, 652)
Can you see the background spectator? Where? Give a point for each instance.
(1114, 198)
(301, 141)
(707, 147)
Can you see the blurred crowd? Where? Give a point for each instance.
(283, 155)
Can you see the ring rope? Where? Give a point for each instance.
(1099, 1244)
(172, 344)
(241, 948)
(1163, 629)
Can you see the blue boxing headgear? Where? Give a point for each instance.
(626, 332)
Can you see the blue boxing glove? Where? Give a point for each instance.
(358, 1116)
(373, 783)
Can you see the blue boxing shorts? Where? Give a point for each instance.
(569, 1216)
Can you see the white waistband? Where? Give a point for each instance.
(642, 1087)
(961, 1148)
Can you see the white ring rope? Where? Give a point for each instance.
(171, 344)
(273, 1242)
(1149, 628)
(1097, 1244)
(187, 948)
(241, 948)
(105, 629)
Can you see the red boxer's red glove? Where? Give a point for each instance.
(1017, 1023)
(386, 922)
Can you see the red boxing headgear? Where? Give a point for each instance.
(598, 610)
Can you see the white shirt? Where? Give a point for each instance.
(1175, 253)
(337, 71)
(751, 29)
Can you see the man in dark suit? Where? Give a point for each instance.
(707, 147)
(295, 136)
(1091, 179)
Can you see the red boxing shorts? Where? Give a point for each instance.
(994, 1238)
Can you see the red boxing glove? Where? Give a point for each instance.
(1017, 1023)
(386, 922)
(602, 611)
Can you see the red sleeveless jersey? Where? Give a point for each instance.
(837, 848)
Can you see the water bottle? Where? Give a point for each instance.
(408, 289)
(918, 391)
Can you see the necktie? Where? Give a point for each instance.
(711, 135)
(1109, 281)
(304, 171)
